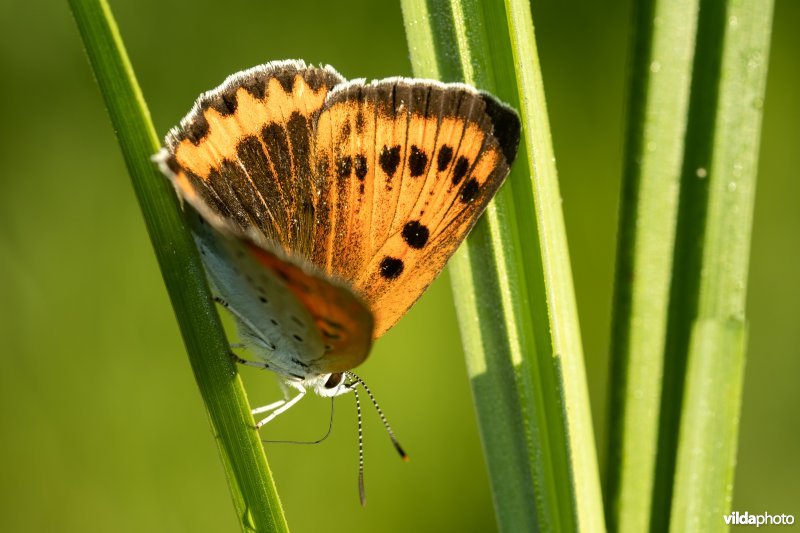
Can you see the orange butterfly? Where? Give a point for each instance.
(325, 208)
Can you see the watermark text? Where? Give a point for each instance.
(764, 519)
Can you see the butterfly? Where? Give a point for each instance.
(323, 208)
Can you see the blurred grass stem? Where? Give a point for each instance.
(679, 332)
(512, 281)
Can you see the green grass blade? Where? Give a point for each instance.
(250, 480)
(734, 49)
(512, 282)
(659, 102)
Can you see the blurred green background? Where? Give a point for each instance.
(102, 426)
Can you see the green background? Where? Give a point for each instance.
(102, 425)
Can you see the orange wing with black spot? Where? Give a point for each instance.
(407, 167)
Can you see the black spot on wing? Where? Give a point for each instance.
(444, 157)
(470, 191)
(331, 323)
(299, 362)
(196, 131)
(460, 170)
(389, 159)
(360, 166)
(415, 234)
(224, 103)
(317, 77)
(417, 161)
(286, 79)
(256, 85)
(391, 267)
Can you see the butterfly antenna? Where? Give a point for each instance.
(359, 381)
(325, 436)
(362, 493)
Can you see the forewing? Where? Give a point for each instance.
(243, 154)
(406, 167)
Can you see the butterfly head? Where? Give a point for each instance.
(324, 385)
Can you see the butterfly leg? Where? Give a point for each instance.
(283, 408)
(267, 408)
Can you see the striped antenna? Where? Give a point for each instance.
(357, 380)
(353, 382)
(362, 493)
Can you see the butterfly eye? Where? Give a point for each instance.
(334, 380)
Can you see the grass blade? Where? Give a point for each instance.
(250, 480)
(679, 330)
(659, 102)
(732, 53)
(513, 284)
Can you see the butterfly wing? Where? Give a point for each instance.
(354, 188)
(341, 318)
(243, 154)
(274, 323)
(242, 159)
(406, 167)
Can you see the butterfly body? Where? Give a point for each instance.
(324, 208)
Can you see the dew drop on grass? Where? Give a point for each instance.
(737, 169)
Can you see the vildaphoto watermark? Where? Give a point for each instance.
(764, 519)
